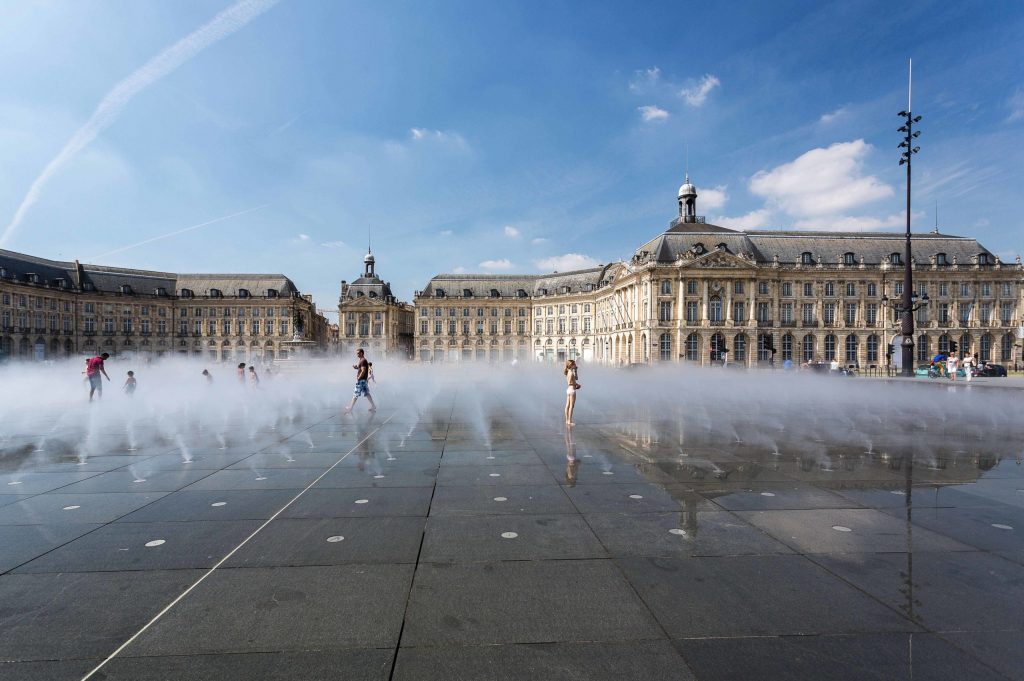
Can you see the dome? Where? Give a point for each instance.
(369, 258)
(687, 189)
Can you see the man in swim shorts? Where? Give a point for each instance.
(362, 368)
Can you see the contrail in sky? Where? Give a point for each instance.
(218, 28)
(178, 231)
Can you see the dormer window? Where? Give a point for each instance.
(243, 293)
(494, 293)
(542, 291)
(215, 293)
(160, 291)
(940, 259)
(126, 289)
(271, 293)
(467, 293)
(848, 259)
(186, 293)
(805, 258)
(983, 258)
(894, 259)
(698, 248)
(722, 247)
(439, 293)
(373, 294)
(521, 293)
(565, 289)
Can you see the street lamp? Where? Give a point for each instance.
(909, 303)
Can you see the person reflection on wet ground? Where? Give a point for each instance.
(572, 462)
(365, 452)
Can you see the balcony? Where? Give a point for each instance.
(765, 323)
(809, 325)
(788, 325)
(716, 322)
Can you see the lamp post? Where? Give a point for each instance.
(908, 304)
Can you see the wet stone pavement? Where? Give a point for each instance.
(472, 540)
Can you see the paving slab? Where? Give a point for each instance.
(494, 475)
(146, 546)
(351, 665)
(333, 541)
(59, 508)
(22, 543)
(524, 602)
(754, 596)
(604, 661)
(349, 502)
(284, 609)
(186, 505)
(509, 537)
(500, 500)
(29, 482)
(136, 479)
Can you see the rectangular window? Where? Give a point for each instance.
(986, 290)
(161, 326)
(691, 312)
(211, 327)
(270, 312)
(67, 323)
(480, 328)
(850, 314)
(666, 287)
(507, 327)
(1006, 312)
(451, 327)
(90, 308)
(465, 328)
(965, 313)
(738, 310)
(897, 288)
(807, 313)
(284, 327)
(762, 288)
(144, 310)
(808, 290)
(851, 289)
(437, 311)
(665, 311)
(764, 312)
(437, 327)
(943, 289)
(871, 313)
(872, 290)
(270, 327)
(521, 327)
(90, 325)
(787, 289)
(538, 327)
(549, 326)
(965, 289)
(144, 326)
(737, 287)
(830, 289)
(561, 325)
(573, 325)
(255, 312)
(944, 312)
(985, 313)
(586, 324)
(423, 313)
(255, 327)
(1007, 289)
(786, 311)
(197, 328)
(691, 287)
(378, 328)
(424, 326)
(830, 313)
(226, 327)
(922, 315)
(182, 327)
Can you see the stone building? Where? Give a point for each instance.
(370, 317)
(702, 293)
(51, 309)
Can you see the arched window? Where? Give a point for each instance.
(787, 347)
(718, 348)
(739, 347)
(830, 347)
(715, 309)
(851, 349)
(986, 348)
(923, 350)
(944, 343)
(872, 348)
(965, 342)
(693, 348)
(764, 347)
(665, 347)
(1006, 348)
(808, 349)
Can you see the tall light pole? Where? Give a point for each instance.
(908, 303)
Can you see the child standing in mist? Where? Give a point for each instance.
(572, 385)
(129, 384)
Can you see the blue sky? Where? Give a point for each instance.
(501, 137)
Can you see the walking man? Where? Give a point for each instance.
(93, 369)
(362, 368)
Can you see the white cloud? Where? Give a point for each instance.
(755, 219)
(1016, 104)
(425, 135)
(564, 263)
(539, 240)
(645, 79)
(113, 103)
(821, 182)
(827, 118)
(714, 198)
(446, 232)
(652, 113)
(511, 232)
(303, 237)
(459, 270)
(697, 94)
(503, 264)
(333, 244)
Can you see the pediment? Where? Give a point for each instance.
(718, 259)
(362, 301)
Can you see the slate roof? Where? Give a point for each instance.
(764, 245)
(107, 279)
(372, 286)
(508, 285)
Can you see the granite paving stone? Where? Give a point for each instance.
(54, 507)
(509, 537)
(500, 500)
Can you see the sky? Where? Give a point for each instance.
(279, 136)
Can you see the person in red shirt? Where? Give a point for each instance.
(93, 369)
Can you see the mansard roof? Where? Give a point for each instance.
(107, 279)
(509, 285)
(762, 246)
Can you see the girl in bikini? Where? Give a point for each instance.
(572, 385)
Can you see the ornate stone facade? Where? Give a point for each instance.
(51, 309)
(370, 317)
(701, 293)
